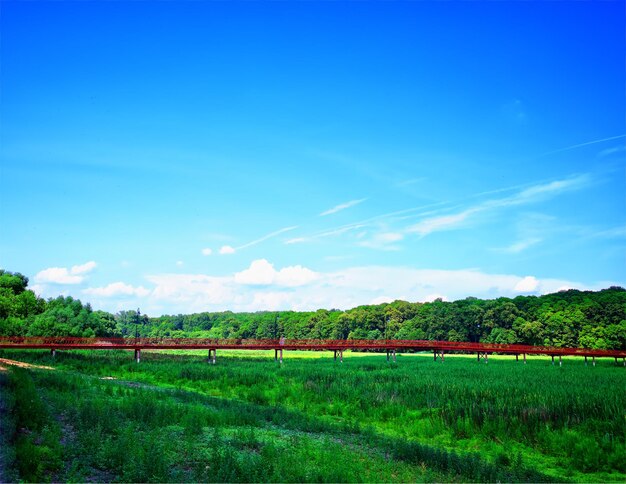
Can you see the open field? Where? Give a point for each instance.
(173, 417)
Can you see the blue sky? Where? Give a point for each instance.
(192, 156)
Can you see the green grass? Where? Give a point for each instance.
(173, 417)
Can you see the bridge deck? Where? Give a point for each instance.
(58, 343)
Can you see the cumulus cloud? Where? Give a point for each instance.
(527, 284)
(207, 251)
(117, 289)
(262, 287)
(227, 249)
(83, 268)
(261, 272)
(62, 275)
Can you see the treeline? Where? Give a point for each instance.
(565, 319)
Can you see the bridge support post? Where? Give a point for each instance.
(394, 356)
(137, 355)
(560, 360)
(387, 356)
(552, 359)
(593, 360)
(524, 358)
(214, 355)
(53, 352)
(585, 361)
(484, 355)
(281, 356)
(275, 354)
(516, 357)
(438, 354)
(335, 354)
(341, 356)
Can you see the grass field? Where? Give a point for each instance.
(173, 417)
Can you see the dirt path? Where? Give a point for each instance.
(5, 361)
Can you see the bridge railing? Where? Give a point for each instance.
(305, 344)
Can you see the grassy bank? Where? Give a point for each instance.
(173, 417)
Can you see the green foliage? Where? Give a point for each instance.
(564, 319)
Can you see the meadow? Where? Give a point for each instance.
(99, 416)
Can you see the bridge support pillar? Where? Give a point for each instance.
(394, 356)
(438, 354)
(387, 356)
(484, 355)
(212, 355)
(560, 361)
(137, 355)
(53, 352)
(516, 357)
(552, 359)
(341, 356)
(585, 361)
(593, 360)
(281, 356)
(524, 358)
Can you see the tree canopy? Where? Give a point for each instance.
(564, 319)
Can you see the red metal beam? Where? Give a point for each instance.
(64, 342)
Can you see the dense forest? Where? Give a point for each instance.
(565, 319)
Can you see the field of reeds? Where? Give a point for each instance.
(99, 416)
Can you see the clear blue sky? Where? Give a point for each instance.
(189, 156)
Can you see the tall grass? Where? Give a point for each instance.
(253, 420)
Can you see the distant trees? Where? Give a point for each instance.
(567, 318)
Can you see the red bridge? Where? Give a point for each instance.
(439, 348)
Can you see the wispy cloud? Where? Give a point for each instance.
(581, 145)
(266, 237)
(520, 246)
(342, 206)
(444, 222)
(528, 195)
(383, 241)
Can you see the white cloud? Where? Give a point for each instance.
(207, 251)
(381, 241)
(63, 275)
(261, 272)
(268, 236)
(445, 222)
(296, 240)
(179, 263)
(342, 206)
(528, 195)
(381, 300)
(83, 268)
(116, 289)
(262, 287)
(527, 284)
(293, 276)
(520, 246)
(227, 249)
